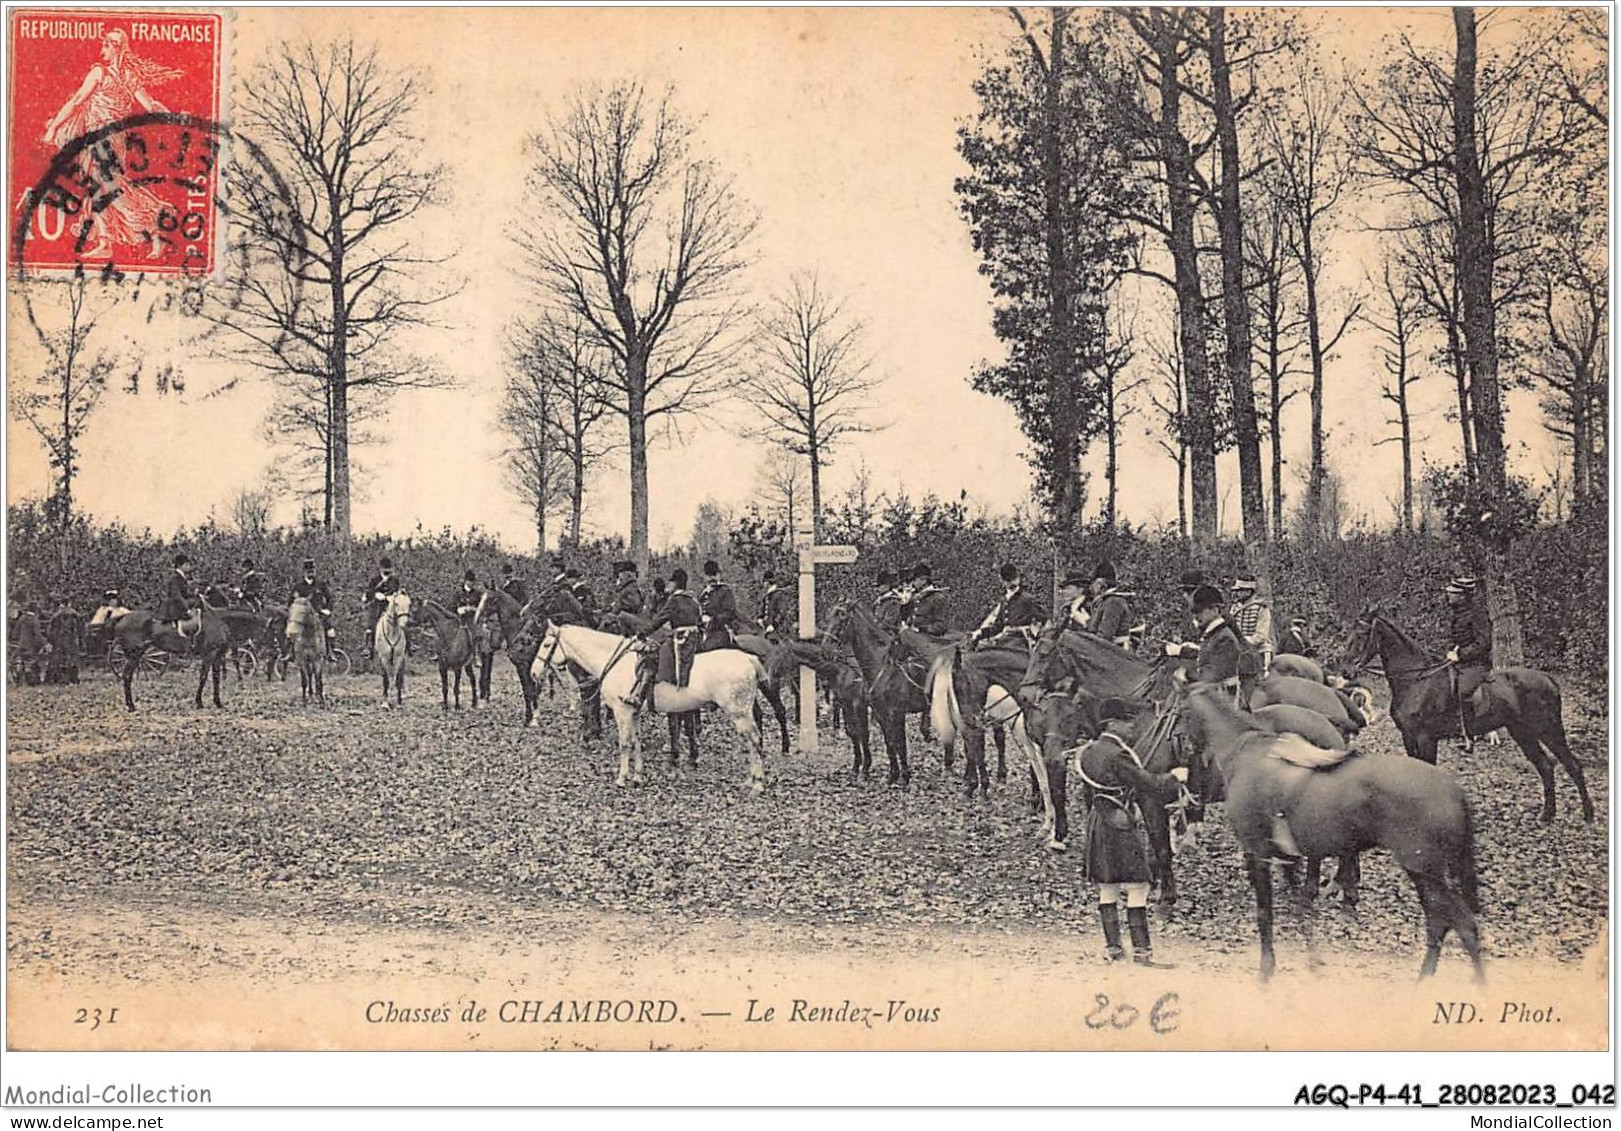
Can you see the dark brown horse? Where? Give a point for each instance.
(1415, 810)
(896, 676)
(844, 684)
(972, 691)
(456, 652)
(217, 632)
(1104, 670)
(1523, 701)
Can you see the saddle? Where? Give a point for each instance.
(191, 626)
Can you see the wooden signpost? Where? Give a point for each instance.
(811, 555)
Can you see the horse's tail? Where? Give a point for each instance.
(944, 712)
(1468, 875)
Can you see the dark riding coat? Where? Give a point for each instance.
(252, 587)
(629, 598)
(777, 608)
(466, 598)
(515, 588)
(378, 590)
(1471, 634)
(887, 611)
(931, 611)
(680, 611)
(1111, 618)
(719, 607)
(177, 598)
(1112, 783)
(1220, 651)
(1016, 609)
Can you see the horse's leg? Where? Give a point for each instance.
(1056, 798)
(1349, 879)
(973, 745)
(1553, 737)
(1157, 823)
(202, 678)
(690, 724)
(219, 673)
(1000, 734)
(444, 687)
(630, 737)
(674, 726)
(774, 697)
(1526, 739)
(1260, 870)
(906, 766)
(1435, 923)
(1314, 879)
(743, 723)
(131, 658)
(320, 685)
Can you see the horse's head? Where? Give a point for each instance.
(399, 607)
(1363, 646)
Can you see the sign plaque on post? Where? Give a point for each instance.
(811, 555)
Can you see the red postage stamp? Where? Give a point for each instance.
(115, 144)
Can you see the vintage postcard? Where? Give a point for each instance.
(809, 529)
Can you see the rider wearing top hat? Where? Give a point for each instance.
(1471, 654)
(1218, 650)
(889, 606)
(467, 596)
(681, 610)
(513, 585)
(178, 593)
(928, 611)
(383, 585)
(1015, 608)
(250, 587)
(629, 609)
(719, 607)
(582, 592)
(318, 595)
(778, 606)
(1111, 614)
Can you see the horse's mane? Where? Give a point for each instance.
(1396, 630)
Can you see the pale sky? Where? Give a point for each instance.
(839, 127)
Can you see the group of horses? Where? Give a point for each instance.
(1278, 758)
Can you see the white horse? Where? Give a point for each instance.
(727, 678)
(388, 639)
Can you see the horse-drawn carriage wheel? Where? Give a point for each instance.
(154, 661)
(339, 664)
(247, 661)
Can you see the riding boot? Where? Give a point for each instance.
(1142, 951)
(1109, 916)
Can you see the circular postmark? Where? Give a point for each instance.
(173, 209)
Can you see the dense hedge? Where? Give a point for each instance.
(1560, 570)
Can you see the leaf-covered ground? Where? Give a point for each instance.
(413, 819)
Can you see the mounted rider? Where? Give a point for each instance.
(1471, 654)
(628, 612)
(1015, 609)
(320, 598)
(178, 597)
(1113, 780)
(1109, 607)
(778, 607)
(888, 607)
(250, 587)
(718, 605)
(513, 585)
(1050, 672)
(1251, 618)
(383, 585)
(1217, 654)
(582, 592)
(466, 598)
(929, 610)
(678, 622)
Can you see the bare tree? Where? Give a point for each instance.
(535, 470)
(1154, 105)
(1279, 327)
(1573, 367)
(1168, 398)
(1118, 402)
(782, 486)
(250, 510)
(814, 380)
(1311, 173)
(561, 373)
(59, 401)
(1396, 324)
(334, 271)
(643, 241)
